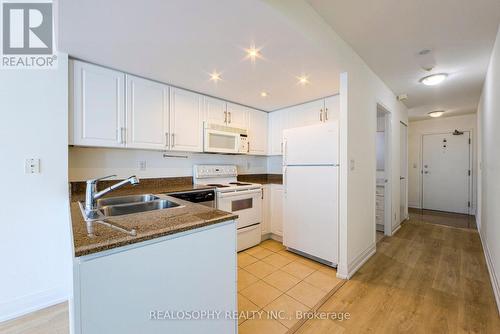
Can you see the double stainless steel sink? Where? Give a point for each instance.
(124, 205)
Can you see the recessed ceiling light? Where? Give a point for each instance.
(215, 76)
(437, 113)
(434, 79)
(264, 94)
(253, 53)
(303, 80)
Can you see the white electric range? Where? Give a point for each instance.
(241, 198)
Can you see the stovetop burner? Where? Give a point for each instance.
(239, 183)
(217, 185)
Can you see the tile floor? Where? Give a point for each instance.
(277, 284)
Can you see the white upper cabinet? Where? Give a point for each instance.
(237, 116)
(186, 121)
(147, 114)
(215, 111)
(278, 121)
(332, 108)
(306, 114)
(257, 132)
(97, 105)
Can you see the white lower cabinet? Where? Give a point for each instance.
(128, 290)
(147, 114)
(266, 209)
(276, 209)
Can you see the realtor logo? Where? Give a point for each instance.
(27, 35)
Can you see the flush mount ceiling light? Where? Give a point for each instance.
(303, 80)
(215, 76)
(264, 94)
(434, 79)
(436, 113)
(253, 53)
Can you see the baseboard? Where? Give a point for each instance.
(414, 206)
(30, 303)
(491, 271)
(396, 229)
(354, 266)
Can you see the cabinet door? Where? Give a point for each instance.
(237, 116)
(215, 111)
(277, 123)
(186, 121)
(147, 114)
(97, 106)
(257, 132)
(332, 108)
(277, 209)
(266, 207)
(306, 114)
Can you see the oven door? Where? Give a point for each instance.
(247, 204)
(217, 141)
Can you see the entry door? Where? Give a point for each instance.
(445, 172)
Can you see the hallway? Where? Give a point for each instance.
(427, 278)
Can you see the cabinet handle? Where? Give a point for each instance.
(248, 147)
(173, 140)
(326, 114)
(281, 149)
(225, 117)
(321, 115)
(229, 117)
(122, 135)
(167, 140)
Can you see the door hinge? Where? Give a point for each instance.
(468, 172)
(468, 204)
(469, 141)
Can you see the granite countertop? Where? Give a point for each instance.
(148, 225)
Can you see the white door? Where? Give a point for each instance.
(311, 145)
(147, 114)
(332, 108)
(311, 210)
(277, 209)
(186, 121)
(403, 178)
(445, 178)
(257, 132)
(306, 114)
(237, 116)
(98, 106)
(277, 123)
(215, 111)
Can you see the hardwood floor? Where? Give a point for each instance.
(427, 278)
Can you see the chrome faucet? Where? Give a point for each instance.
(92, 195)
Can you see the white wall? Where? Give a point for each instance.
(86, 163)
(439, 125)
(488, 216)
(360, 92)
(35, 248)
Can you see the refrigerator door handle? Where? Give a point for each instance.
(284, 181)
(285, 151)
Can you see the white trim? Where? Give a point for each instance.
(397, 228)
(14, 308)
(491, 271)
(361, 259)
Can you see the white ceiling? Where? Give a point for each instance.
(179, 42)
(388, 34)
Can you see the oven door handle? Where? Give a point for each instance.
(245, 193)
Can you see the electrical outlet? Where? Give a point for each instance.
(142, 165)
(32, 166)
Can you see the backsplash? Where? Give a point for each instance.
(86, 163)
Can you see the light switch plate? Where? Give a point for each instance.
(32, 166)
(352, 164)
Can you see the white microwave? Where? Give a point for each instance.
(224, 139)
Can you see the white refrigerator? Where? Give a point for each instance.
(311, 182)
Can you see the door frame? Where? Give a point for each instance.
(470, 184)
(407, 183)
(387, 170)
